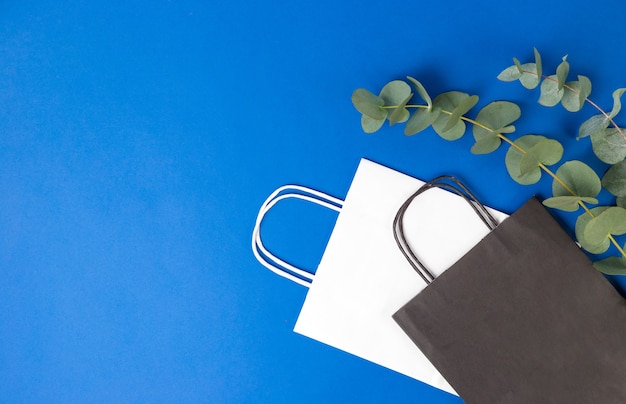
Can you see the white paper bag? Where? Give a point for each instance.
(363, 278)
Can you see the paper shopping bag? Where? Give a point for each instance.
(361, 281)
(523, 317)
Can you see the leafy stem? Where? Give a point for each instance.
(586, 98)
(575, 185)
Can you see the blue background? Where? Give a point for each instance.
(139, 138)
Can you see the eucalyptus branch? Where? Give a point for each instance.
(607, 138)
(575, 184)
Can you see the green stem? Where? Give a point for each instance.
(521, 150)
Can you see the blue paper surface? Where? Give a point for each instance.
(138, 140)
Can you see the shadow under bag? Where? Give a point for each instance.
(523, 317)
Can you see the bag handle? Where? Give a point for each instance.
(271, 261)
(453, 185)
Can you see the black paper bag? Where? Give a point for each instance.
(523, 317)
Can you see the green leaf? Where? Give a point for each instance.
(617, 104)
(400, 114)
(495, 118)
(621, 201)
(546, 152)
(460, 110)
(496, 115)
(593, 124)
(371, 125)
(394, 92)
(611, 266)
(511, 73)
(369, 104)
(421, 119)
(576, 93)
(611, 221)
(486, 145)
(568, 203)
(518, 66)
(614, 179)
(551, 94)
(576, 179)
(609, 145)
(421, 91)
(523, 166)
(581, 224)
(448, 102)
(562, 71)
(538, 64)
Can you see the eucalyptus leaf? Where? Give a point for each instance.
(621, 201)
(611, 266)
(551, 94)
(530, 78)
(568, 203)
(545, 151)
(524, 158)
(538, 64)
(581, 223)
(593, 124)
(576, 178)
(617, 104)
(461, 109)
(394, 92)
(371, 125)
(562, 70)
(494, 118)
(421, 119)
(614, 179)
(609, 145)
(369, 104)
(575, 94)
(611, 221)
(421, 91)
(448, 102)
(496, 115)
(400, 114)
(486, 144)
(511, 73)
(456, 132)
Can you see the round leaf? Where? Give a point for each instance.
(400, 114)
(460, 110)
(576, 179)
(614, 179)
(581, 223)
(486, 144)
(496, 115)
(575, 94)
(515, 156)
(593, 124)
(551, 94)
(611, 221)
(621, 201)
(545, 151)
(394, 92)
(371, 125)
(609, 145)
(511, 73)
(368, 104)
(568, 203)
(611, 266)
(448, 102)
(421, 119)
